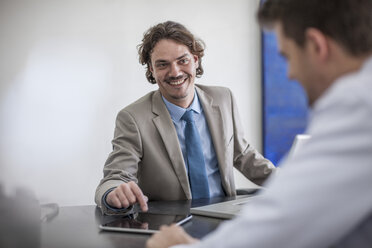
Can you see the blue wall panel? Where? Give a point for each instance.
(284, 103)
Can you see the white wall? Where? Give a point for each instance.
(67, 67)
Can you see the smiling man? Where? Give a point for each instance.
(174, 68)
(322, 195)
(181, 141)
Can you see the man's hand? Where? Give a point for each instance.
(125, 195)
(169, 236)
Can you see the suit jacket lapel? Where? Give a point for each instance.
(168, 133)
(216, 124)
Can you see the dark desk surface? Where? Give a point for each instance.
(78, 226)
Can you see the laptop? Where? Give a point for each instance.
(230, 209)
(298, 142)
(223, 210)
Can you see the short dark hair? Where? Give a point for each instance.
(348, 22)
(169, 30)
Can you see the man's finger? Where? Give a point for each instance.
(140, 197)
(123, 198)
(129, 194)
(113, 200)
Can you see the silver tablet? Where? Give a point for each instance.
(144, 222)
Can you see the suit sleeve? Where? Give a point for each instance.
(247, 159)
(122, 164)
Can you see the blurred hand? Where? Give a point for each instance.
(169, 236)
(127, 194)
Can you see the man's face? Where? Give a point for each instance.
(300, 64)
(174, 69)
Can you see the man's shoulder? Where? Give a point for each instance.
(215, 92)
(141, 105)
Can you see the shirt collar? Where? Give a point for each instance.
(177, 112)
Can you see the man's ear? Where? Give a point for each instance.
(196, 60)
(150, 67)
(317, 42)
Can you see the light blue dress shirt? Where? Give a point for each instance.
(210, 157)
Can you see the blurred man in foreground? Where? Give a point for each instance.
(322, 197)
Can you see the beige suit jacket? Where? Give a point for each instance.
(146, 148)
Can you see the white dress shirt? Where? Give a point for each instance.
(324, 191)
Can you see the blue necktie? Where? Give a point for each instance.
(195, 158)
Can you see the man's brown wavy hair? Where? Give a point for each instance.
(173, 31)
